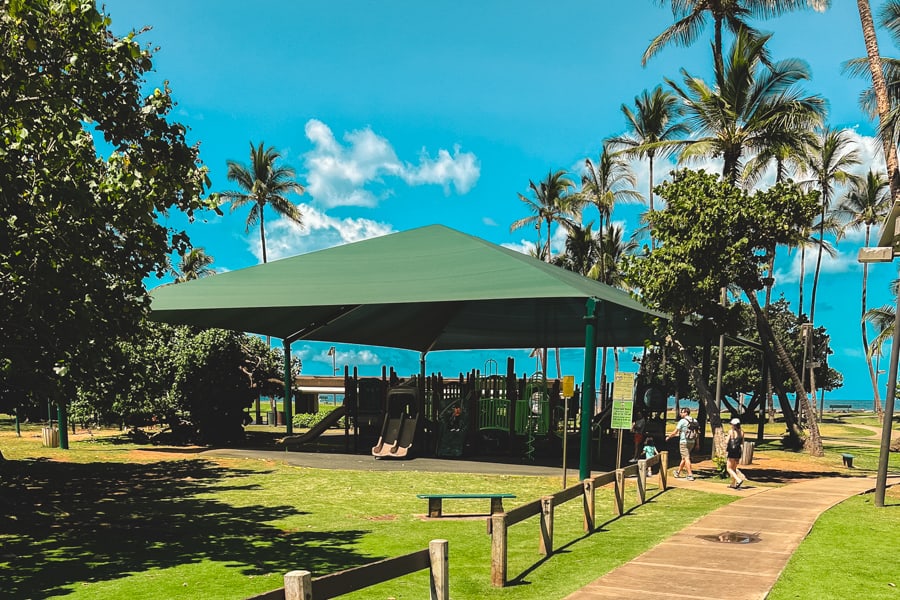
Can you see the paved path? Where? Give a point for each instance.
(690, 565)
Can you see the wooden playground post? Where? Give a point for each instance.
(589, 505)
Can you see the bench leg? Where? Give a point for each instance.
(434, 507)
(496, 506)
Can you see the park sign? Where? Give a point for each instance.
(623, 400)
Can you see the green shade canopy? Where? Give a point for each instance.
(431, 288)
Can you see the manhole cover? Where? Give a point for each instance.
(731, 537)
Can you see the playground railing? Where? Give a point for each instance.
(498, 524)
(300, 585)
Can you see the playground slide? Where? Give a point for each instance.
(317, 429)
(396, 437)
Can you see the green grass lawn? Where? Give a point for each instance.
(107, 519)
(111, 519)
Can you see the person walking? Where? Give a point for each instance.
(686, 432)
(638, 427)
(733, 451)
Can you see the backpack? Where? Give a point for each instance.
(693, 429)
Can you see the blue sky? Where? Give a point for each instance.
(398, 114)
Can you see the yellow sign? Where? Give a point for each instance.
(568, 385)
(623, 386)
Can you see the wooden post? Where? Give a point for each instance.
(642, 480)
(498, 550)
(440, 569)
(589, 506)
(546, 525)
(663, 470)
(298, 585)
(620, 492)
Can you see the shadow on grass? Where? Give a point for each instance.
(65, 523)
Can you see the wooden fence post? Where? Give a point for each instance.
(642, 480)
(298, 585)
(589, 510)
(440, 569)
(663, 470)
(620, 492)
(546, 525)
(498, 550)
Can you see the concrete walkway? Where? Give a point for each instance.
(694, 564)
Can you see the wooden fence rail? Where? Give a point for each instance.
(498, 524)
(300, 585)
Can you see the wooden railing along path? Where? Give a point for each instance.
(499, 524)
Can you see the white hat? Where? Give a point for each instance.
(735, 421)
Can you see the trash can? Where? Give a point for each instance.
(50, 437)
(747, 453)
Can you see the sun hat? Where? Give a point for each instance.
(735, 421)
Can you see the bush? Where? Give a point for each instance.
(313, 419)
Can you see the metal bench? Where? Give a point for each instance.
(435, 501)
(841, 407)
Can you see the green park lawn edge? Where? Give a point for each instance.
(231, 527)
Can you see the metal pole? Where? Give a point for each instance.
(887, 422)
(288, 416)
(587, 398)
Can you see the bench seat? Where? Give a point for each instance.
(435, 501)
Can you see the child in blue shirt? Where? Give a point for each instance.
(649, 452)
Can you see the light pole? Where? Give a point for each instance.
(886, 254)
(333, 355)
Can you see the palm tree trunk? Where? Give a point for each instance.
(814, 439)
(881, 94)
(262, 232)
(812, 298)
(715, 419)
(873, 375)
(802, 278)
(650, 156)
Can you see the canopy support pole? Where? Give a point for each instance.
(587, 397)
(288, 396)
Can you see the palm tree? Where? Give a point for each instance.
(653, 120)
(582, 249)
(828, 165)
(614, 248)
(879, 85)
(194, 265)
(691, 18)
(753, 109)
(263, 183)
(832, 226)
(549, 203)
(605, 183)
(865, 205)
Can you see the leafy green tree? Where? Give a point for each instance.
(79, 227)
(713, 235)
(262, 183)
(754, 108)
(866, 204)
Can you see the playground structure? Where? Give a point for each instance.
(481, 413)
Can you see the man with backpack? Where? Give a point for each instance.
(687, 429)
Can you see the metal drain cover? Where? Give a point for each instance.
(731, 537)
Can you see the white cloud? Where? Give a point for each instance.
(285, 238)
(357, 171)
(843, 262)
(489, 221)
